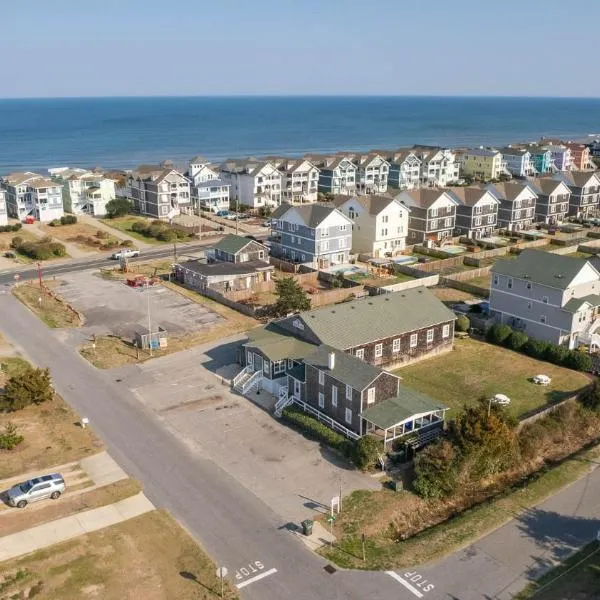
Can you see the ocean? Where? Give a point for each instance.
(122, 132)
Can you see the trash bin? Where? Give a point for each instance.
(307, 526)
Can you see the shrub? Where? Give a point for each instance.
(516, 340)
(181, 235)
(68, 220)
(139, 227)
(16, 226)
(126, 243)
(16, 242)
(54, 223)
(536, 348)
(556, 354)
(497, 334)
(102, 235)
(31, 386)
(265, 211)
(436, 470)
(10, 437)
(118, 207)
(462, 323)
(591, 397)
(166, 235)
(57, 249)
(317, 431)
(366, 451)
(578, 361)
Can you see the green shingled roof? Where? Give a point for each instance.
(232, 243)
(575, 304)
(277, 344)
(373, 318)
(347, 369)
(406, 405)
(541, 267)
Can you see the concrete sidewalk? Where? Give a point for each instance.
(102, 469)
(54, 532)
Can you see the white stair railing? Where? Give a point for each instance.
(251, 382)
(283, 402)
(241, 375)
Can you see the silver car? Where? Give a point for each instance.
(39, 488)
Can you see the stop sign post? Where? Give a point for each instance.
(221, 574)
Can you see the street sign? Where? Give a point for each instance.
(331, 519)
(335, 504)
(222, 572)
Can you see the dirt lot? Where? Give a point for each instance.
(149, 557)
(46, 305)
(51, 430)
(449, 295)
(82, 235)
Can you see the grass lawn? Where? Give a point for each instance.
(82, 235)
(149, 557)
(372, 512)
(161, 266)
(112, 351)
(6, 239)
(483, 282)
(578, 578)
(450, 295)
(51, 431)
(44, 512)
(52, 310)
(124, 224)
(474, 369)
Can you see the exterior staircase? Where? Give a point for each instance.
(247, 380)
(283, 402)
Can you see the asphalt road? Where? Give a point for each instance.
(236, 528)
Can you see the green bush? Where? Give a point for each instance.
(318, 431)
(579, 361)
(16, 242)
(118, 207)
(167, 235)
(10, 437)
(9, 228)
(54, 223)
(30, 386)
(591, 397)
(556, 354)
(68, 220)
(516, 340)
(366, 451)
(536, 348)
(498, 334)
(462, 323)
(140, 227)
(126, 244)
(436, 470)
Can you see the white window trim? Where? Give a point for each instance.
(360, 353)
(348, 393)
(446, 331)
(321, 400)
(321, 378)
(430, 336)
(414, 340)
(396, 345)
(378, 350)
(334, 396)
(348, 416)
(371, 396)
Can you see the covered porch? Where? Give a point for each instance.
(408, 413)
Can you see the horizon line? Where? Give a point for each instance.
(290, 96)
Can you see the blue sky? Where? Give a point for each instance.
(221, 47)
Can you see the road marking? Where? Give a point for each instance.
(407, 585)
(239, 586)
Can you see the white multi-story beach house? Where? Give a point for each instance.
(209, 192)
(373, 171)
(160, 191)
(519, 162)
(405, 169)
(84, 192)
(337, 174)
(254, 183)
(439, 166)
(32, 195)
(299, 179)
(3, 213)
(380, 223)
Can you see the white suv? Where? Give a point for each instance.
(125, 253)
(39, 488)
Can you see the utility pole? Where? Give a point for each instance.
(149, 320)
(39, 267)
(175, 251)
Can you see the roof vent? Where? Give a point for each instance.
(559, 276)
(526, 277)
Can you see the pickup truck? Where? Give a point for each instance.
(124, 253)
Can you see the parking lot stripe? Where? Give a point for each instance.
(239, 586)
(405, 583)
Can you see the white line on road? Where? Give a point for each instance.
(405, 583)
(239, 586)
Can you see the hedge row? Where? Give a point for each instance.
(503, 335)
(160, 230)
(7, 228)
(64, 220)
(41, 250)
(363, 452)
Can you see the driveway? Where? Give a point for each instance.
(291, 474)
(112, 307)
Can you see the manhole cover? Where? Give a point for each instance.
(330, 569)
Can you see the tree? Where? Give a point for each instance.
(536, 348)
(10, 437)
(31, 386)
(118, 207)
(436, 470)
(590, 398)
(578, 361)
(337, 281)
(366, 451)
(291, 297)
(556, 354)
(516, 340)
(462, 323)
(497, 333)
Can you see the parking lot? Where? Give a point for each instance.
(291, 474)
(112, 307)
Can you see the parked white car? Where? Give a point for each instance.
(124, 253)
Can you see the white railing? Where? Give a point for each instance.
(251, 382)
(245, 371)
(325, 419)
(283, 402)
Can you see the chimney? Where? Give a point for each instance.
(331, 361)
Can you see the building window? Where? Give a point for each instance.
(266, 367)
(333, 396)
(446, 331)
(429, 336)
(360, 353)
(413, 340)
(321, 378)
(348, 416)
(278, 366)
(396, 345)
(529, 305)
(545, 299)
(290, 363)
(543, 319)
(321, 400)
(378, 350)
(509, 283)
(348, 393)
(529, 285)
(371, 395)
(495, 279)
